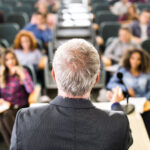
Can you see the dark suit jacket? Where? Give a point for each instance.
(70, 124)
(136, 29)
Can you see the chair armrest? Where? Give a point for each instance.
(33, 97)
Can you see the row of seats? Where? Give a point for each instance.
(107, 21)
(74, 21)
(7, 9)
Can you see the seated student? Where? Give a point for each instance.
(141, 28)
(50, 17)
(136, 76)
(25, 48)
(15, 87)
(115, 50)
(41, 31)
(130, 16)
(70, 121)
(120, 8)
(54, 3)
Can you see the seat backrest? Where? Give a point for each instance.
(24, 8)
(109, 29)
(4, 43)
(146, 45)
(8, 31)
(20, 18)
(10, 2)
(32, 72)
(142, 6)
(28, 2)
(6, 9)
(97, 1)
(97, 8)
(105, 17)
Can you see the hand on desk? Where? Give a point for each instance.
(116, 95)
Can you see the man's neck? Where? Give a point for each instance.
(64, 94)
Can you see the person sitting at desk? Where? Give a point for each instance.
(15, 87)
(40, 30)
(26, 50)
(141, 28)
(135, 69)
(115, 50)
(130, 16)
(70, 121)
(50, 17)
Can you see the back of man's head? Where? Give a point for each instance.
(76, 65)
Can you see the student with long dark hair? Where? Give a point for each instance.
(15, 87)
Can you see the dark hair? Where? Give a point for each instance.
(39, 13)
(125, 28)
(145, 59)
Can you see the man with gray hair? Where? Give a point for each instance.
(70, 121)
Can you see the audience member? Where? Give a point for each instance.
(70, 121)
(120, 8)
(141, 28)
(25, 48)
(41, 31)
(50, 18)
(15, 87)
(54, 3)
(130, 16)
(136, 74)
(115, 50)
(136, 77)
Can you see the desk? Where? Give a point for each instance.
(139, 133)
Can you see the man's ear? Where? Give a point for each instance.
(97, 78)
(53, 75)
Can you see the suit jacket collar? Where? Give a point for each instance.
(72, 102)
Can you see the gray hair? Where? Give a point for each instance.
(76, 64)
